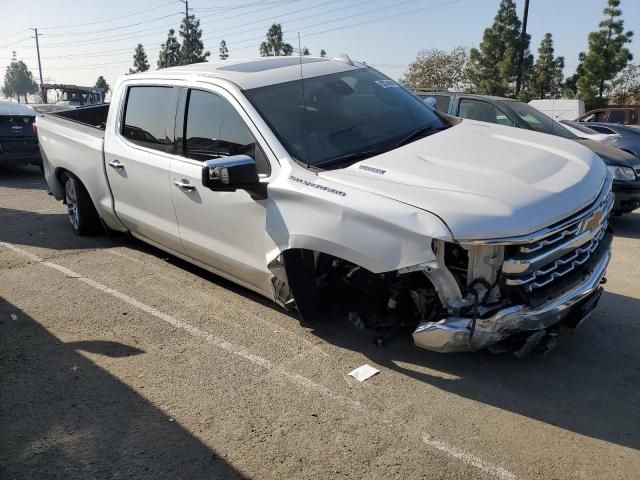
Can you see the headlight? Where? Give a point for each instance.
(621, 173)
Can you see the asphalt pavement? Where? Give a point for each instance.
(118, 360)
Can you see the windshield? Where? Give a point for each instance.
(351, 114)
(538, 121)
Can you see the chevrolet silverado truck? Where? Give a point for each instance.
(327, 187)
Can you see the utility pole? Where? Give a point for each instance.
(521, 52)
(42, 92)
(186, 24)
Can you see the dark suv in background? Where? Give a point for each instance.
(624, 166)
(18, 138)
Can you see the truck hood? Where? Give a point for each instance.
(484, 181)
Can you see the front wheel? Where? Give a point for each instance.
(82, 214)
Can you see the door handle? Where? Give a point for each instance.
(115, 163)
(184, 184)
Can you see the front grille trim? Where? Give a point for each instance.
(540, 263)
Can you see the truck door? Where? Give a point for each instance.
(223, 230)
(137, 161)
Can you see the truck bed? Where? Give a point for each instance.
(91, 120)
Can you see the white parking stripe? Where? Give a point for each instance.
(480, 464)
(262, 362)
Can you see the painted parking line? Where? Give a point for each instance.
(242, 352)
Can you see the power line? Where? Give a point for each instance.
(14, 33)
(359, 14)
(268, 19)
(105, 20)
(91, 32)
(365, 22)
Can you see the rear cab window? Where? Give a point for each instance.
(149, 115)
(213, 129)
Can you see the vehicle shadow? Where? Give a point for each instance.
(588, 385)
(29, 177)
(47, 230)
(62, 416)
(626, 226)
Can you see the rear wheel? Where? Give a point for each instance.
(82, 214)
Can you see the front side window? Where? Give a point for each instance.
(148, 117)
(482, 111)
(538, 121)
(215, 129)
(342, 117)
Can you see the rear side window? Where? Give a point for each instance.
(215, 129)
(149, 117)
(482, 111)
(617, 116)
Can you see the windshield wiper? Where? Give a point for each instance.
(417, 133)
(350, 157)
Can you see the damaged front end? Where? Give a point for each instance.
(517, 293)
(512, 294)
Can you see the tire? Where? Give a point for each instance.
(83, 216)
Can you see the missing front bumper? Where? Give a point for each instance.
(453, 334)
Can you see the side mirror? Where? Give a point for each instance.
(228, 174)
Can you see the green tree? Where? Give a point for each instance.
(437, 70)
(140, 62)
(18, 80)
(305, 51)
(493, 67)
(169, 55)
(102, 83)
(547, 72)
(274, 45)
(224, 51)
(192, 50)
(607, 55)
(571, 83)
(323, 53)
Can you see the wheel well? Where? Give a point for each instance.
(322, 284)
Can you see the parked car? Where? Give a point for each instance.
(504, 111)
(629, 140)
(354, 198)
(18, 139)
(623, 116)
(582, 131)
(559, 108)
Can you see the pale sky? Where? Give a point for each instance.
(81, 40)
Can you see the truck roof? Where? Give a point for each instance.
(258, 72)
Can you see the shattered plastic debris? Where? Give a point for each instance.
(364, 372)
(14, 316)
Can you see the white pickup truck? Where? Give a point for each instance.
(326, 186)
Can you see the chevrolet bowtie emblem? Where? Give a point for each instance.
(592, 222)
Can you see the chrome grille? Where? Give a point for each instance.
(538, 263)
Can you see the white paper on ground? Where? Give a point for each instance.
(364, 372)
